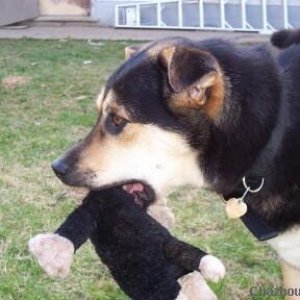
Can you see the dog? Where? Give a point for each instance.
(143, 257)
(207, 113)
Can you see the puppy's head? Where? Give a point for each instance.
(153, 125)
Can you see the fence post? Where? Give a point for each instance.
(117, 15)
(180, 22)
(244, 14)
(222, 14)
(287, 24)
(201, 14)
(138, 15)
(265, 15)
(158, 12)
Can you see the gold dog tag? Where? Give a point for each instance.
(236, 208)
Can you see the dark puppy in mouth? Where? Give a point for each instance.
(143, 257)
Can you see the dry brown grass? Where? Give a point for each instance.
(12, 82)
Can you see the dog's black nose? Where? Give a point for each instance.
(60, 167)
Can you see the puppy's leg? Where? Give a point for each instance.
(194, 287)
(54, 251)
(287, 245)
(194, 259)
(291, 279)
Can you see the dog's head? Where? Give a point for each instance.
(149, 110)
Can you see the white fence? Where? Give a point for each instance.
(239, 15)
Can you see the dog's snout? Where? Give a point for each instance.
(60, 167)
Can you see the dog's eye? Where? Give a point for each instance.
(114, 124)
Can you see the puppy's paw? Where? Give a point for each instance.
(212, 268)
(53, 252)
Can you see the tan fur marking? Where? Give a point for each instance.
(215, 103)
(129, 51)
(166, 56)
(183, 102)
(291, 278)
(99, 101)
(157, 49)
(143, 152)
(101, 148)
(194, 97)
(119, 110)
(287, 245)
(133, 49)
(110, 105)
(107, 102)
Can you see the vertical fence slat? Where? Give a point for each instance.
(285, 14)
(158, 12)
(117, 15)
(222, 13)
(138, 15)
(201, 14)
(244, 14)
(180, 16)
(264, 15)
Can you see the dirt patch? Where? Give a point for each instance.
(12, 82)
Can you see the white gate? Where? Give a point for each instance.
(239, 15)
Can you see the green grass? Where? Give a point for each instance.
(41, 119)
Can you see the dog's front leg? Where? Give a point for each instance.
(162, 214)
(194, 287)
(287, 245)
(291, 280)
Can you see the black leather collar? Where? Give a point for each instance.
(255, 224)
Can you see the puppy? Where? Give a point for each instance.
(143, 257)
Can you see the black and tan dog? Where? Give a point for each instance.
(204, 113)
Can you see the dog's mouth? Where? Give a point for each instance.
(143, 193)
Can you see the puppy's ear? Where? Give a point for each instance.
(132, 50)
(195, 79)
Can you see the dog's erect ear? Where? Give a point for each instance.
(195, 79)
(132, 50)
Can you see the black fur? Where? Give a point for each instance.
(285, 38)
(143, 257)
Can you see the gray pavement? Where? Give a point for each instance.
(104, 33)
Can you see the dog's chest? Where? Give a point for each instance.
(287, 246)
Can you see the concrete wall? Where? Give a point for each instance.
(104, 12)
(13, 11)
(64, 7)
